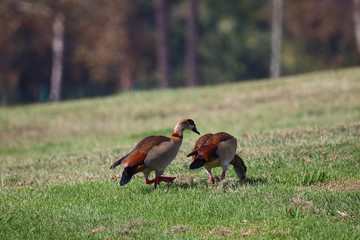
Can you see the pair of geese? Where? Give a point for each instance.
(155, 153)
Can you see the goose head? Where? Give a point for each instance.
(184, 124)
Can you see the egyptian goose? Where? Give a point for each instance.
(154, 153)
(215, 150)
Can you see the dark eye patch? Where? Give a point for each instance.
(191, 122)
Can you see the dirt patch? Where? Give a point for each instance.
(182, 179)
(338, 185)
(131, 227)
(219, 233)
(115, 178)
(302, 203)
(136, 223)
(199, 180)
(177, 229)
(98, 229)
(26, 183)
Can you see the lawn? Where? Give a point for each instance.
(299, 137)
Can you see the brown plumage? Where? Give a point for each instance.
(154, 153)
(217, 150)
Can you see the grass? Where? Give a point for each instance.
(298, 136)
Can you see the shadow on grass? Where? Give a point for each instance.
(233, 184)
(202, 183)
(254, 181)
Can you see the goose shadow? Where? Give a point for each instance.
(201, 182)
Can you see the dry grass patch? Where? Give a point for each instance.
(133, 228)
(337, 185)
(219, 232)
(180, 228)
(182, 179)
(98, 229)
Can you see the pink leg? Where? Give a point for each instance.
(166, 179)
(147, 181)
(223, 175)
(159, 179)
(156, 181)
(211, 179)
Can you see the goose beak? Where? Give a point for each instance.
(195, 130)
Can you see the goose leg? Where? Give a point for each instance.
(211, 179)
(147, 181)
(210, 176)
(155, 181)
(166, 179)
(223, 175)
(224, 168)
(159, 179)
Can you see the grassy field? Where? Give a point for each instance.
(298, 136)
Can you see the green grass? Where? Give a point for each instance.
(298, 136)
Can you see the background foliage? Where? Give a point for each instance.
(102, 40)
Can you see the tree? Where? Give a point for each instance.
(9, 24)
(276, 39)
(111, 45)
(129, 47)
(57, 58)
(356, 17)
(191, 64)
(109, 42)
(57, 43)
(163, 66)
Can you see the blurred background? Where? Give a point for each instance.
(52, 50)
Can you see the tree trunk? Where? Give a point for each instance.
(276, 39)
(4, 99)
(191, 67)
(127, 54)
(127, 71)
(162, 43)
(57, 60)
(356, 17)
